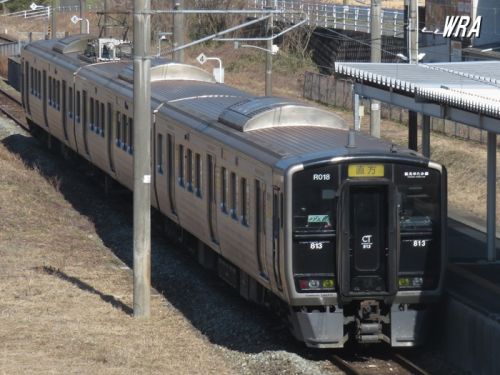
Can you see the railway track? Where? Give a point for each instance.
(349, 362)
(393, 363)
(12, 107)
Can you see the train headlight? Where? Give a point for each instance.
(404, 282)
(411, 282)
(328, 284)
(314, 284)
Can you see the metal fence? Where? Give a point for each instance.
(44, 12)
(341, 17)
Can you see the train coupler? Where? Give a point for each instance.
(369, 323)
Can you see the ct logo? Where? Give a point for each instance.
(366, 241)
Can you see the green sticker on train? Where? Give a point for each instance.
(318, 218)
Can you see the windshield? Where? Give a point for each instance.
(315, 200)
(419, 203)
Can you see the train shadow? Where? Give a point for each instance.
(212, 307)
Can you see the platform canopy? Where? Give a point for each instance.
(466, 92)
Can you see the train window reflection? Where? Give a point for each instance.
(314, 209)
(419, 207)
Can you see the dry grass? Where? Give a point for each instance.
(12, 25)
(66, 300)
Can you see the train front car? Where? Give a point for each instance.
(367, 244)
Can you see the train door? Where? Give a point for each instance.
(368, 250)
(44, 97)
(84, 121)
(277, 225)
(64, 111)
(110, 136)
(211, 198)
(260, 226)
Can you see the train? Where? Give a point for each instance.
(345, 231)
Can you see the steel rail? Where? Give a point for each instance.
(354, 368)
(344, 365)
(409, 365)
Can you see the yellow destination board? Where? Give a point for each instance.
(366, 170)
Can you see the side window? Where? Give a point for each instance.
(118, 129)
(70, 102)
(244, 201)
(58, 95)
(97, 120)
(197, 175)
(181, 165)
(31, 86)
(233, 190)
(130, 147)
(124, 131)
(49, 96)
(223, 195)
(103, 119)
(159, 153)
(78, 106)
(91, 117)
(39, 84)
(189, 168)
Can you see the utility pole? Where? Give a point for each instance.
(83, 5)
(376, 54)
(413, 32)
(105, 30)
(178, 31)
(413, 59)
(142, 158)
(269, 55)
(53, 19)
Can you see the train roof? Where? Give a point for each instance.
(270, 128)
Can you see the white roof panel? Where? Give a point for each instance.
(473, 86)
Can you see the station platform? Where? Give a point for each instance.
(470, 277)
(470, 329)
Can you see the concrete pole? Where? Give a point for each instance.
(142, 159)
(412, 130)
(413, 32)
(105, 30)
(83, 6)
(355, 106)
(53, 19)
(376, 55)
(426, 135)
(269, 56)
(491, 197)
(178, 31)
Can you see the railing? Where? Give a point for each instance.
(44, 12)
(38, 13)
(333, 16)
(341, 17)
